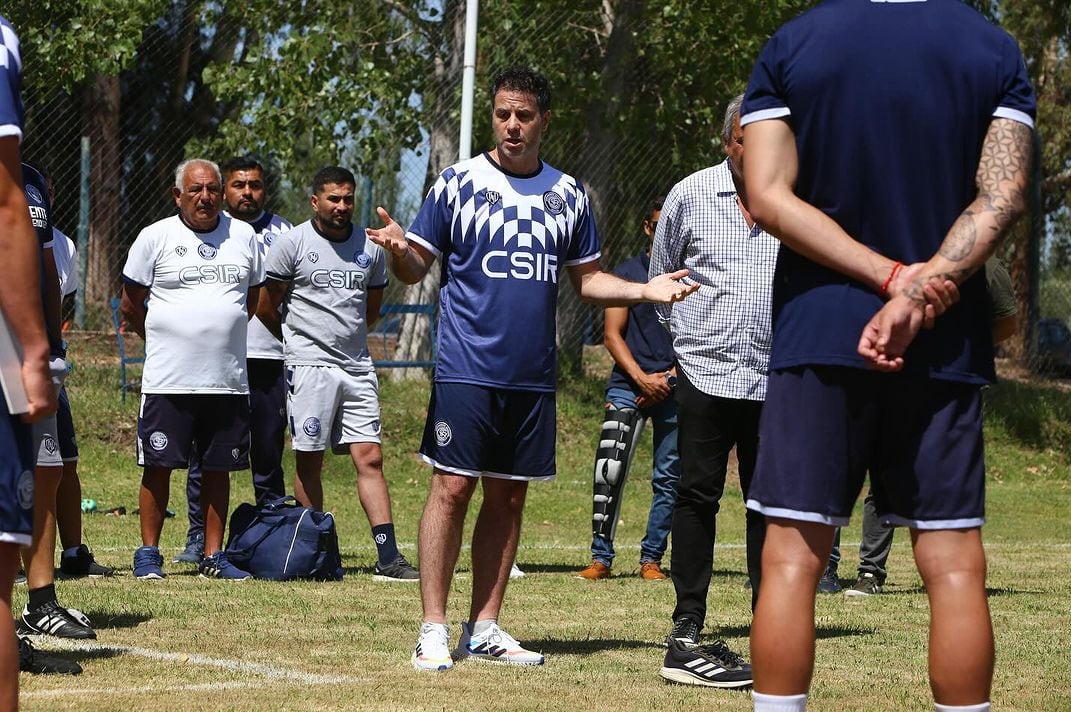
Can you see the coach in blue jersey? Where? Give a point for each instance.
(888, 147)
(190, 284)
(504, 225)
(20, 302)
(244, 196)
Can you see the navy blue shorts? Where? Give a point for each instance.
(479, 430)
(16, 479)
(68, 443)
(212, 428)
(824, 427)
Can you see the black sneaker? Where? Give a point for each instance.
(397, 570)
(829, 583)
(867, 585)
(708, 665)
(685, 629)
(54, 619)
(81, 563)
(39, 662)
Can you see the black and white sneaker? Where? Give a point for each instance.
(685, 629)
(38, 662)
(708, 665)
(397, 570)
(79, 562)
(53, 619)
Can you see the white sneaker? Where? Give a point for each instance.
(494, 645)
(432, 650)
(515, 571)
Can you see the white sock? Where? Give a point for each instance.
(779, 703)
(981, 707)
(480, 627)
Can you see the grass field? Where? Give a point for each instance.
(188, 643)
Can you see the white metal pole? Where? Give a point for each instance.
(468, 81)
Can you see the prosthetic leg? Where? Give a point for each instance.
(620, 432)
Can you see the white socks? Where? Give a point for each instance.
(983, 707)
(779, 703)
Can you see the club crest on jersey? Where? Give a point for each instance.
(269, 238)
(553, 203)
(25, 490)
(158, 441)
(362, 259)
(207, 251)
(313, 257)
(492, 197)
(180, 250)
(443, 433)
(311, 426)
(34, 193)
(49, 443)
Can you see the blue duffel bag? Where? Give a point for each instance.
(283, 540)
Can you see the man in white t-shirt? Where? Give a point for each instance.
(331, 278)
(243, 198)
(191, 282)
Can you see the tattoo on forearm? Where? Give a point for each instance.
(1003, 176)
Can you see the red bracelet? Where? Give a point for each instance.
(892, 275)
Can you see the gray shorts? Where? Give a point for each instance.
(330, 406)
(46, 450)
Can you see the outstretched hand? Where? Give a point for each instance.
(668, 288)
(390, 237)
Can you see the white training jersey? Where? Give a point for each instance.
(66, 255)
(261, 343)
(324, 312)
(196, 318)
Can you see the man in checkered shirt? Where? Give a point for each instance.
(721, 337)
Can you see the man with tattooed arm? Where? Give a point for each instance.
(889, 149)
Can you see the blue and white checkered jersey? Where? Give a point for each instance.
(502, 241)
(11, 113)
(721, 333)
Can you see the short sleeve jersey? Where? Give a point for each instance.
(195, 324)
(890, 103)
(66, 255)
(261, 342)
(41, 218)
(502, 241)
(11, 111)
(648, 341)
(324, 313)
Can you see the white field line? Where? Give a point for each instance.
(148, 690)
(265, 671)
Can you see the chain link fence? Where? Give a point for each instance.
(637, 106)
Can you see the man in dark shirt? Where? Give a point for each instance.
(641, 386)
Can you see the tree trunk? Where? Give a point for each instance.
(439, 96)
(100, 121)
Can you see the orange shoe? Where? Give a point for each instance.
(652, 571)
(596, 571)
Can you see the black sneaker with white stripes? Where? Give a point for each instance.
(53, 619)
(709, 665)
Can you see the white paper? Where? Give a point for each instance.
(11, 371)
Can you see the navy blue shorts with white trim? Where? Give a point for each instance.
(480, 430)
(16, 479)
(824, 427)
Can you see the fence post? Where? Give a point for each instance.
(1033, 255)
(83, 236)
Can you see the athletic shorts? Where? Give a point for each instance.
(68, 443)
(211, 428)
(824, 427)
(480, 430)
(331, 406)
(16, 479)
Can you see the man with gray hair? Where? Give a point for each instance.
(721, 338)
(191, 283)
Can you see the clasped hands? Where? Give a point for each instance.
(915, 302)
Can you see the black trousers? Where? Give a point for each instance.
(708, 428)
